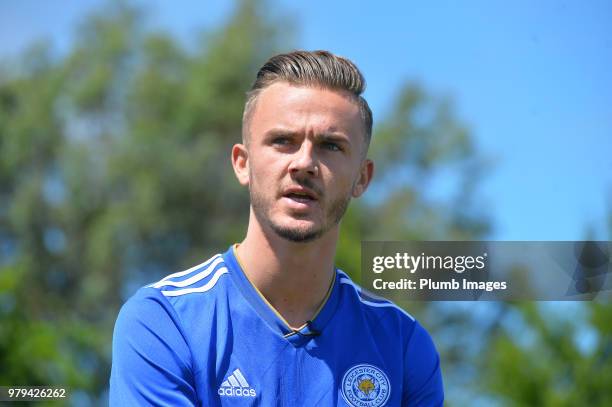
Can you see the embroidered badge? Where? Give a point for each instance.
(365, 386)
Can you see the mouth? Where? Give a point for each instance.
(302, 196)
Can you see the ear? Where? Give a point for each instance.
(240, 162)
(365, 176)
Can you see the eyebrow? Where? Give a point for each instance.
(280, 132)
(334, 136)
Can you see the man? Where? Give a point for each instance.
(271, 321)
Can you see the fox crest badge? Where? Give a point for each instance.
(365, 385)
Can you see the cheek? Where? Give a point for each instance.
(264, 175)
(341, 182)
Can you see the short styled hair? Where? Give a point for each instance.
(311, 68)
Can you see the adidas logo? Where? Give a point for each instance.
(236, 386)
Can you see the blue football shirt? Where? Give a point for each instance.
(207, 337)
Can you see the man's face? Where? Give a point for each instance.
(304, 159)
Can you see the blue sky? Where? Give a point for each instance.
(532, 79)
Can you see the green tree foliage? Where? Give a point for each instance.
(551, 354)
(551, 358)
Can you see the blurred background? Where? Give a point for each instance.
(492, 122)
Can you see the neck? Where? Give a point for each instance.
(293, 277)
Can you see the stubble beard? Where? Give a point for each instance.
(261, 209)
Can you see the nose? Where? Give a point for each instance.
(304, 160)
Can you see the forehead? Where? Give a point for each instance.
(305, 108)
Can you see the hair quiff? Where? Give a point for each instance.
(311, 68)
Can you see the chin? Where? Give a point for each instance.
(298, 233)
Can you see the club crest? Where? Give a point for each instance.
(365, 385)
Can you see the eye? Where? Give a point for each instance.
(330, 145)
(281, 141)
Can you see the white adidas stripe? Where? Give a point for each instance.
(346, 280)
(193, 279)
(185, 272)
(211, 283)
(233, 381)
(236, 379)
(240, 378)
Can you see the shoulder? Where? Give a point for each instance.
(201, 278)
(380, 309)
(191, 290)
(176, 296)
(386, 318)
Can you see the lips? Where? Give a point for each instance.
(300, 193)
